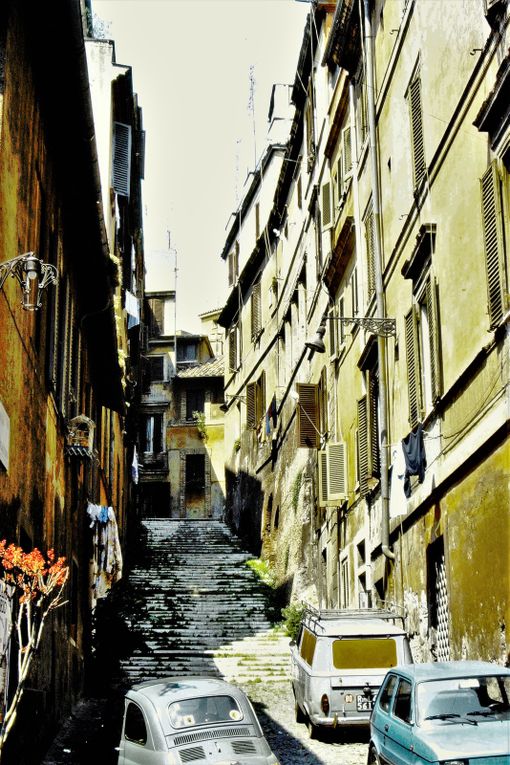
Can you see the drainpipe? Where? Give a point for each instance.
(379, 286)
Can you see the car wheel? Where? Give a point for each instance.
(373, 757)
(298, 713)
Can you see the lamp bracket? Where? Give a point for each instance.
(383, 327)
(17, 268)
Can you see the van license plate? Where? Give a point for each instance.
(363, 704)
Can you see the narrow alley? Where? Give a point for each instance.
(192, 605)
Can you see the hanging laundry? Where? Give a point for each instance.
(107, 552)
(398, 499)
(134, 466)
(415, 457)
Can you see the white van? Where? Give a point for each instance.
(339, 661)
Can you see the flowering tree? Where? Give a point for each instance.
(40, 581)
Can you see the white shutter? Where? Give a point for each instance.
(346, 153)
(332, 475)
(323, 478)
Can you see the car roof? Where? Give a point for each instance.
(442, 670)
(169, 689)
(352, 627)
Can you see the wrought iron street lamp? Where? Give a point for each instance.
(33, 277)
(381, 327)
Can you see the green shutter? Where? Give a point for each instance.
(413, 371)
(370, 239)
(375, 463)
(493, 243)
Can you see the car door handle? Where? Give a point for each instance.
(386, 728)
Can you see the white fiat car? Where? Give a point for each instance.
(339, 661)
(199, 720)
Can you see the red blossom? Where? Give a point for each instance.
(33, 573)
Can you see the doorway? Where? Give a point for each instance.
(194, 486)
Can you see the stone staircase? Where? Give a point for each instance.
(201, 609)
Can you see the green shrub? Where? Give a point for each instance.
(292, 615)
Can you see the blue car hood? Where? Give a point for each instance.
(488, 738)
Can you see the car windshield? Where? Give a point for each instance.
(203, 710)
(472, 699)
(364, 653)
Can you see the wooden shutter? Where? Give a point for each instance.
(417, 142)
(434, 338)
(251, 405)
(346, 152)
(327, 217)
(373, 384)
(121, 169)
(323, 477)
(363, 441)
(413, 371)
(308, 415)
(370, 238)
(337, 473)
(493, 243)
(256, 312)
(232, 350)
(339, 178)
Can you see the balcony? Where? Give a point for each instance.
(153, 465)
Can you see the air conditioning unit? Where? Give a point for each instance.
(332, 467)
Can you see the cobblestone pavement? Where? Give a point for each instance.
(92, 733)
(274, 704)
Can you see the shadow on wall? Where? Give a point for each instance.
(243, 508)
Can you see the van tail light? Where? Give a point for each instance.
(325, 703)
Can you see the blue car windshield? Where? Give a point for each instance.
(204, 710)
(453, 700)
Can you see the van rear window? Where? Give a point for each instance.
(308, 647)
(365, 653)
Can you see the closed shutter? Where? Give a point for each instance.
(121, 170)
(417, 142)
(339, 178)
(327, 217)
(230, 269)
(337, 473)
(256, 312)
(493, 243)
(251, 405)
(370, 238)
(308, 415)
(232, 350)
(434, 338)
(375, 464)
(323, 477)
(347, 152)
(413, 372)
(363, 455)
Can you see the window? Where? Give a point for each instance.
(493, 240)
(121, 165)
(156, 368)
(387, 693)
(134, 725)
(233, 265)
(195, 402)
(256, 312)
(156, 317)
(152, 437)
(307, 647)
(187, 350)
(368, 422)
(369, 224)
(308, 415)
(416, 123)
(255, 401)
(402, 708)
(234, 350)
(422, 352)
(363, 653)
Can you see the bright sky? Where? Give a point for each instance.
(191, 64)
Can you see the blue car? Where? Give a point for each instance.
(445, 713)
